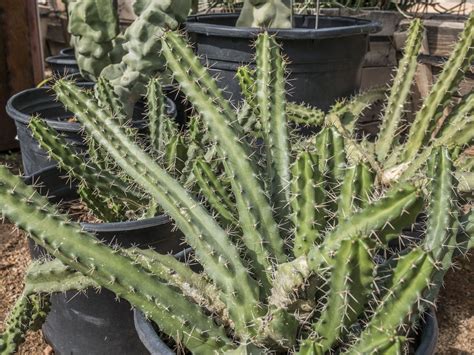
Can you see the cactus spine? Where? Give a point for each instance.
(268, 285)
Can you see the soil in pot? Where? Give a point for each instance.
(94, 322)
(324, 64)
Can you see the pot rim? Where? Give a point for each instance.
(62, 59)
(197, 24)
(73, 127)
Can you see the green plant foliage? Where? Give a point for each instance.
(320, 277)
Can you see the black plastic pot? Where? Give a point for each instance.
(324, 64)
(95, 323)
(426, 342)
(42, 102)
(62, 65)
(67, 51)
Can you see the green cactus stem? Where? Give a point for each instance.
(400, 91)
(67, 242)
(28, 313)
(211, 243)
(266, 13)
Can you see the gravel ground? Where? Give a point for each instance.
(455, 306)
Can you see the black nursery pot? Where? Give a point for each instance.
(95, 323)
(62, 65)
(324, 64)
(67, 51)
(425, 343)
(42, 102)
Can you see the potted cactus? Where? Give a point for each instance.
(293, 234)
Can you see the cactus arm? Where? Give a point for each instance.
(440, 215)
(271, 105)
(104, 92)
(28, 313)
(462, 112)
(338, 158)
(175, 152)
(142, 43)
(348, 193)
(54, 276)
(366, 183)
(350, 285)
(365, 222)
(348, 112)
(99, 205)
(439, 97)
(80, 250)
(295, 113)
(400, 91)
(308, 198)
(156, 112)
(93, 25)
(409, 279)
(177, 274)
(179, 58)
(295, 273)
(214, 191)
(219, 257)
(304, 115)
(68, 160)
(266, 13)
(246, 78)
(455, 134)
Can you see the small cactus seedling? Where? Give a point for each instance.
(293, 234)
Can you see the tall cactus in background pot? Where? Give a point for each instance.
(293, 234)
(127, 59)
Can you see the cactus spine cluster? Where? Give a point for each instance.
(293, 233)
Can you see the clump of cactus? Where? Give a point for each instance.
(295, 235)
(126, 59)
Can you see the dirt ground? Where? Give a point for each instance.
(455, 306)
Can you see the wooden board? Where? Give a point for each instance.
(20, 58)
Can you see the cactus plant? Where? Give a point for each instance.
(294, 244)
(128, 60)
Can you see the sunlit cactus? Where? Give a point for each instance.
(293, 233)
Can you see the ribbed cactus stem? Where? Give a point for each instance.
(177, 274)
(352, 271)
(399, 300)
(307, 202)
(272, 107)
(80, 250)
(211, 243)
(108, 99)
(215, 192)
(156, 114)
(400, 91)
(221, 125)
(91, 175)
(441, 92)
(28, 313)
(54, 276)
(266, 13)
